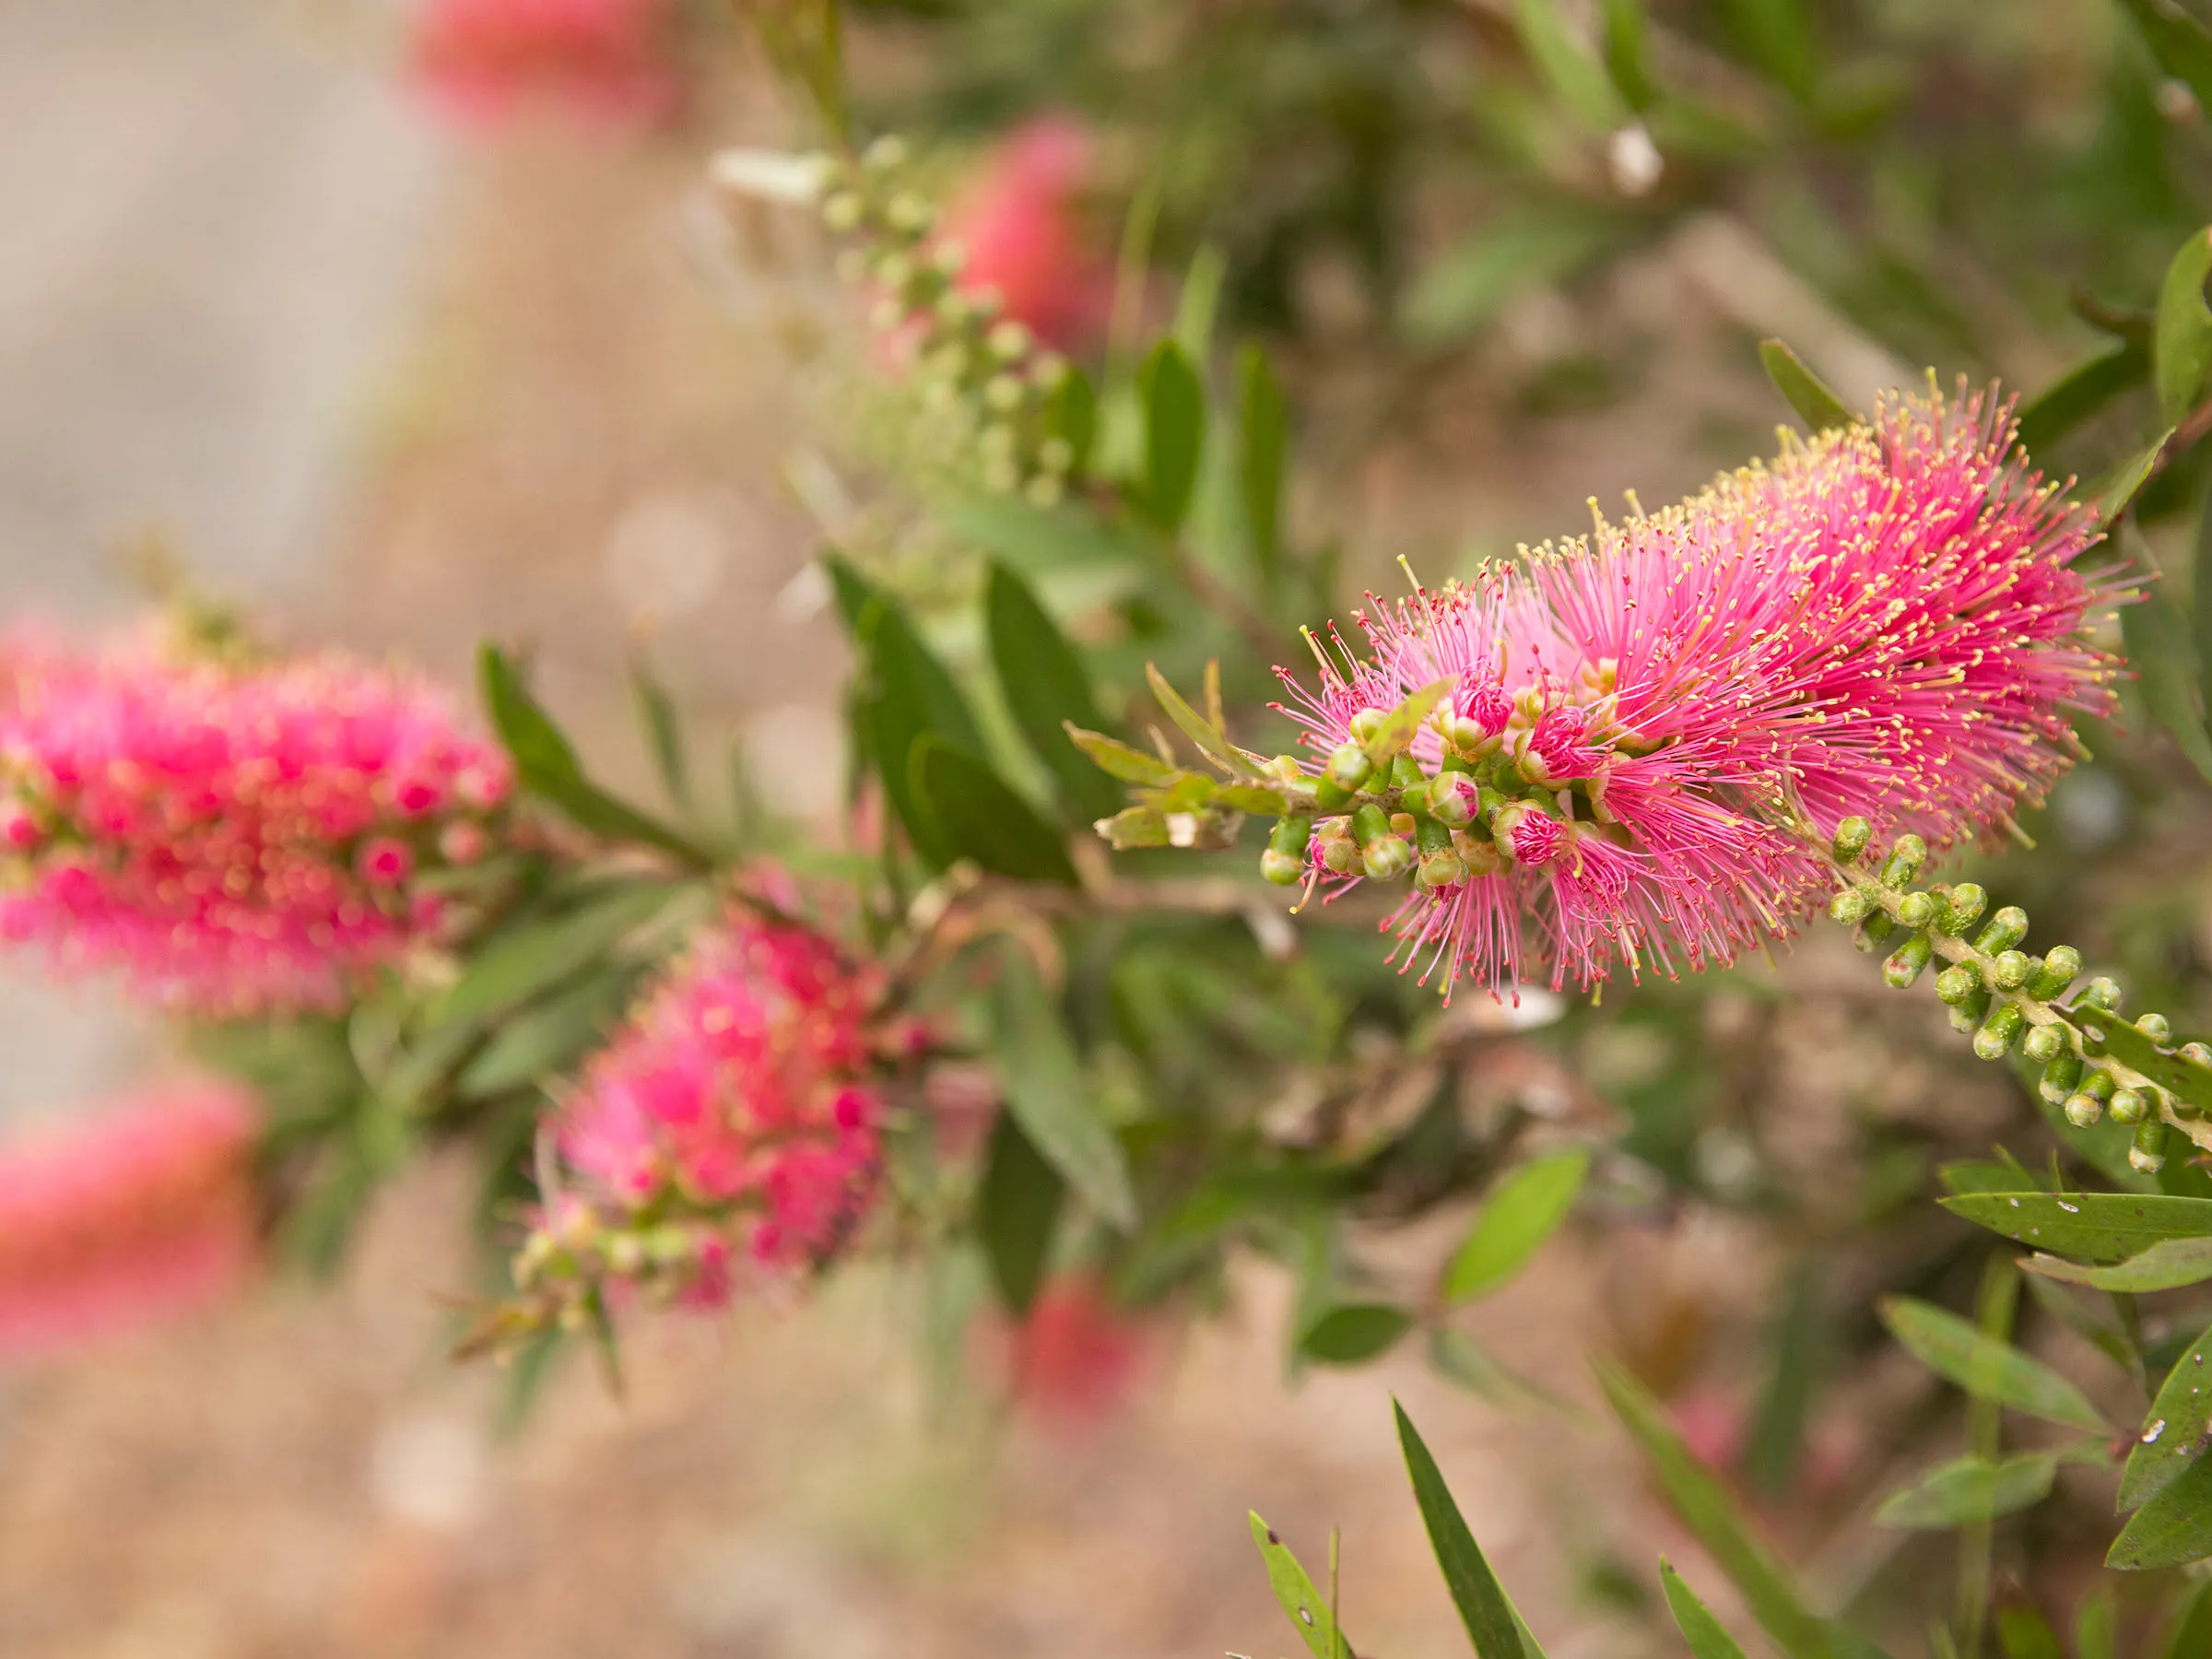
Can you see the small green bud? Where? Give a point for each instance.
(1919, 909)
(1852, 836)
(1003, 392)
(842, 210)
(1904, 861)
(1994, 1039)
(1339, 854)
(1281, 868)
(2044, 1045)
(1467, 737)
(2062, 964)
(1044, 490)
(1906, 962)
(2083, 1109)
(2060, 1076)
(1965, 903)
(2195, 1054)
(1405, 772)
(1453, 799)
(1957, 983)
(1849, 907)
(887, 154)
(2011, 969)
(2099, 992)
(2149, 1153)
(2006, 929)
(1414, 797)
(2129, 1107)
(1874, 930)
(1367, 723)
(1369, 823)
(909, 215)
(1442, 869)
(1008, 340)
(1386, 859)
(2156, 1027)
(1284, 862)
(1350, 766)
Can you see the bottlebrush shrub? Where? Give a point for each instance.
(232, 837)
(488, 60)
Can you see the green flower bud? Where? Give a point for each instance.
(2156, 1027)
(2129, 1106)
(1008, 340)
(1852, 836)
(1387, 859)
(2011, 969)
(1405, 772)
(1964, 902)
(1453, 798)
(2044, 1045)
(1919, 909)
(1905, 963)
(1958, 982)
(1994, 1039)
(1043, 490)
(1284, 862)
(842, 210)
(1339, 854)
(1874, 930)
(2099, 992)
(887, 154)
(1467, 737)
(2149, 1153)
(2195, 1054)
(2086, 1105)
(2061, 963)
(1367, 723)
(1849, 907)
(2006, 929)
(2060, 1076)
(909, 215)
(1904, 861)
(1350, 766)
(1442, 869)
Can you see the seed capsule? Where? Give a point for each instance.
(2006, 929)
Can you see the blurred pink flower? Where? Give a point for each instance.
(485, 60)
(738, 1085)
(1075, 1356)
(197, 825)
(144, 1213)
(1885, 621)
(1024, 239)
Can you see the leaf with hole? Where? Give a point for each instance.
(1985, 1368)
(1295, 1592)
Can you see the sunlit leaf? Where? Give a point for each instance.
(1985, 1368)
(2182, 338)
(1516, 1219)
(1818, 408)
(2172, 1528)
(2167, 1266)
(1704, 1633)
(1301, 1601)
(1211, 740)
(1491, 1623)
(2098, 1227)
(1402, 722)
(2177, 1431)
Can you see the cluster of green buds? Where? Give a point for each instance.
(2095, 1062)
(992, 393)
(563, 1268)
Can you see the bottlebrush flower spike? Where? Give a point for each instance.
(734, 1095)
(1022, 239)
(1076, 1355)
(144, 1213)
(1884, 622)
(483, 60)
(232, 837)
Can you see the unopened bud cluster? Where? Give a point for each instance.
(992, 398)
(565, 1267)
(1496, 796)
(2004, 997)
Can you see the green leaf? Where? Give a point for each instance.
(2079, 393)
(1050, 1097)
(549, 1037)
(1514, 252)
(1302, 1603)
(1777, 35)
(1970, 1490)
(1704, 1506)
(2096, 1625)
(2131, 1047)
(2160, 649)
(1527, 1206)
(1046, 688)
(1354, 1333)
(2182, 338)
(1818, 408)
(1986, 1369)
(1628, 52)
(2004, 1174)
(1016, 1211)
(1118, 759)
(2179, 1427)
(2178, 42)
(519, 962)
(2173, 1528)
(1174, 406)
(973, 814)
(1073, 417)
(2099, 1227)
(2026, 1634)
(1574, 72)
(1200, 302)
(2167, 1266)
(663, 737)
(2117, 489)
(1402, 722)
(1457, 1358)
(1263, 438)
(527, 1374)
(1703, 1632)
(1212, 741)
(2191, 1636)
(1797, 1342)
(1492, 1625)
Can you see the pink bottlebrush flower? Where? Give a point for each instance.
(1075, 1356)
(232, 838)
(1884, 622)
(1023, 238)
(146, 1213)
(736, 1088)
(483, 59)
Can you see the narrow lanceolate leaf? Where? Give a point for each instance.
(2173, 1528)
(1017, 1209)
(2096, 1227)
(1212, 741)
(1817, 406)
(1174, 406)
(1046, 687)
(2182, 338)
(2079, 393)
(2164, 659)
(2117, 489)
(1970, 1489)
(1050, 1097)
(1515, 1220)
(1627, 51)
(1400, 724)
(2200, 599)
(663, 737)
(1576, 74)
(1704, 1506)
(2192, 1632)
(1492, 1625)
(1985, 1368)
(2178, 1430)
(2025, 1633)
(1263, 437)
(1354, 1333)
(2167, 1266)
(1118, 759)
(1302, 1603)
(973, 814)
(521, 961)
(1704, 1633)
